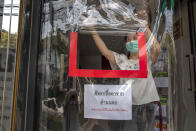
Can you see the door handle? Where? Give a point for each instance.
(191, 72)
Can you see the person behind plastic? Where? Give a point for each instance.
(144, 92)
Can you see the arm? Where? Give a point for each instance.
(102, 47)
(155, 49)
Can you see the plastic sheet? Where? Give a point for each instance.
(102, 13)
(74, 15)
(84, 54)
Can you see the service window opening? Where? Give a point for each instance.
(134, 68)
(89, 57)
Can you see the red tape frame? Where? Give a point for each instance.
(141, 73)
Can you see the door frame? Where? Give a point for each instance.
(192, 28)
(24, 118)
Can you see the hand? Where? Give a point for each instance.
(91, 28)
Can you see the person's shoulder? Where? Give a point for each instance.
(123, 62)
(119, 55)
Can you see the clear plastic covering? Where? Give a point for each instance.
(103, 13)
(74, 15)
(88, 46)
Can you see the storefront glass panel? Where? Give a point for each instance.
(84, 55)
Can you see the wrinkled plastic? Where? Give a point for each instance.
(75, 15)
(67, 42)
(102, 13)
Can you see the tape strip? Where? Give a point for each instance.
(141, 73)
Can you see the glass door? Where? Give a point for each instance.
(113, 66)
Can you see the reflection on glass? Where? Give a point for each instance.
(62, 98)
(10, 26)
(9, 11)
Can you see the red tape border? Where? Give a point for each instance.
(141, 73)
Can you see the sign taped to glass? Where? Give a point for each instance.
(112, 102)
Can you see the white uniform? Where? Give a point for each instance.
(143, 89)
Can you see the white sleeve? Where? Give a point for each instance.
(123, 62)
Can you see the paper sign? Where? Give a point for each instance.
(112, 102)
(161, 81)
